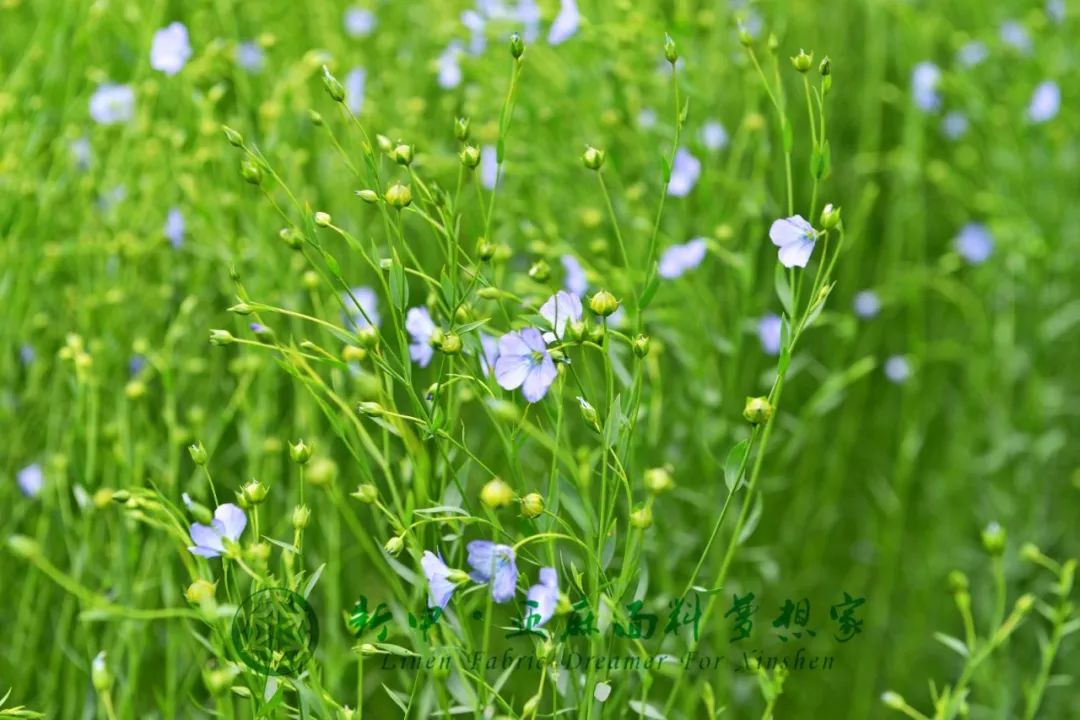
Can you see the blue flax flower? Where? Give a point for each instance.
(493, 563)
(544, 597)
(229, 522)
(795, 237)
(524, 363)
(440, 586)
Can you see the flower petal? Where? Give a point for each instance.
(419, 323)
(512, 370)
(232, 519)
(207, 538)
(534, 340)
(786, 231)
(513, 344)
(539, 379)
(481, 559)
(504, 584)
(796, 254)
(421, 353)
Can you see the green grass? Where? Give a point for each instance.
(855, 484)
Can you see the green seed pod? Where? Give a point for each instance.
(301, 516)
(757, 410)
(461, 129)
(496, 494)
(198, 454)
(993, 539)
(642, 517)
(532, 505)
(235, 139)
(593, 158)
(603, 303)
(671, 53)
(830, 217)
(300, 452)
(450, 344)
(366, 494)
(255, 492)
(322, 219)
(251, 172)
(100, 676)
(200, 591)
(540, 271)
(469, 156)
(394, 545)
(803, 62)
(402, 154)
(333, 87)
(368, 196)
(398, 195)
(641, 345)
(517, 46)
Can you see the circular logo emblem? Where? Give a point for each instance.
(275, 632)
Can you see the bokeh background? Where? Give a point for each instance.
(908, 424)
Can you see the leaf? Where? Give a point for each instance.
(399, 287)
(753, 520)
(650, 290)
(783, 289)
(831, 392)
(310, 585)
(734, 462)
(332, 264)
(614, 422)
(953, 643)
(646, 710)
(441, 509)
(397, 701)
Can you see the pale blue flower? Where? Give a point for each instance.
(769, 331)
(494, 563)
(31, 479)
(136, 364)
(490, 347)
(528, 14)
(440, 587)
(542, 599)
(867, 304)
(974, 243)
(27, 354)
(421, 327)
(647, 118)
(362, 316)
(81, 152)
(174, 227)
(713, 136)
(111, 104)
(559, 310)
(1055, 10)
(566, 23)
(1016, 36)
(476, 24)
(684, 173)
(972, 53)
(354, 89)
(524, 362)
(449, 67)
(679, 259)
(171, 49)
(1045, 102)
(796, 239)
(111, 198)
(489, 166)
(897, 369)
(925, 79)
(954, 125)
(229, 522)
(250, 56)
(359, 22)
(574, 281)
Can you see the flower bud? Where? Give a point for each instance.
(251, 172)
(99, 674)
(366, 493)
(333, 87)
(368, 337)
(1024, 603)
(803, 62)
(402, 154)
(893, 700)
(198, 454)
(993, 539)
(300, 452)
(322, 219)
(394, 545)
(532, 505)
(470, 156)
(658, 480)
(540, 271)
(461, 129)
(671, 53)
(517, 46)
(315, 117)
(301, 516)
(642, 517)
(292, 238)
(398, 195)
(589, 413)
(830, 217)
(255, 492)
(485, 249)
(200, 591)
(745, 38)
(373, 409)
(235, 139)
(384, 143)
(1031, 553)
(369, 196)
(23, 546)
(825, 67)
(496, 494)
(757, 410)
(641, 345)
(262, 333)
(603, 303)
(450, 344)
(773, 43)
(958, 582)
(593, 158)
